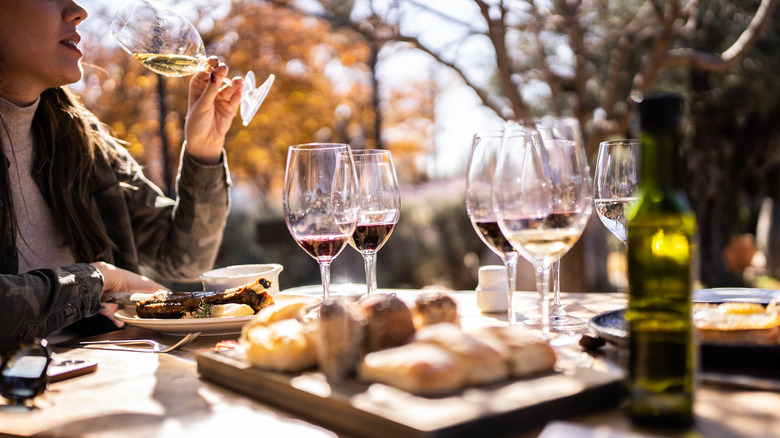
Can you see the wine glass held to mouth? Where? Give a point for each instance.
(169, 44)
(380, 206)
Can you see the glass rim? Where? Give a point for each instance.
(320, 146)
(370, 152)
(617, 142)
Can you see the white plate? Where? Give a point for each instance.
(228, 325)
(742, 294)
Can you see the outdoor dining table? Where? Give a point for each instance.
(134, 394)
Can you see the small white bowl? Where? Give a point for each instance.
(238, 275)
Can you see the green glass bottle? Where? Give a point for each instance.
(661, 247)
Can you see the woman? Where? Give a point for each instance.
(77, 216)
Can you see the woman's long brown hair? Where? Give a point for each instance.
(70, 142)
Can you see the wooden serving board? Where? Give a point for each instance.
(379, 410)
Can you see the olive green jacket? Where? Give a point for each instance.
(177, 239)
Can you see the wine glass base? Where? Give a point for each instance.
(567, 322)
(558, 323)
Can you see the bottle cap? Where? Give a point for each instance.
(661, 112)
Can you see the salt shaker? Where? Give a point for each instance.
(492, 289)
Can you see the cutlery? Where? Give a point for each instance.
(153, 346)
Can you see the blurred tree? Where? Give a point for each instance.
(586, 58)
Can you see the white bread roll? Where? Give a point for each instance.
(526, 352)
(287, 345)
(419, 368)
(481, 362)
(433, 307)
(388, 321)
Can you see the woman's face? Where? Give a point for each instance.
(38, 47)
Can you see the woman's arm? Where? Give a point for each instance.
(38, 302)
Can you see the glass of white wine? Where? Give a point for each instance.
(169, 44)
(615, 184)
(543, 197)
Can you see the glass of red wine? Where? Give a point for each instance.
(320, 201)
(380, 206)
(485, 151)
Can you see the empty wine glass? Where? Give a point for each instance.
(615, 184)
(167, 43)
(380, 206)
(320, 201)
(485, 153)
(562, 128)
(543, 198)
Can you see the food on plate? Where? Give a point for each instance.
(419, 368)
(341, 330)
(481, 362)
(738, 323)
(167, 304)
(525, 351)
(432, 307)
(289, 309)
(287, 345)
(231, 309)
(388, 321)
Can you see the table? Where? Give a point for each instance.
(146, 394)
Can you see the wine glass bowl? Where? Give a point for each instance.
(380, 207)
(158, 37)
(615, 184)
(320, 201)
(485, 154)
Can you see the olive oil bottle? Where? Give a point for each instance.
(661, 247)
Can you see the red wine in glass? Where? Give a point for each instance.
(325, 246)
(371, 237)
(493, 237)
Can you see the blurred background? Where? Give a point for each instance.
(420, 77)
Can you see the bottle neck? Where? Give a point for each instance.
(660, 161)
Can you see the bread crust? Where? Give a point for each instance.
(433, 307)
(419, 368)
(388, 321)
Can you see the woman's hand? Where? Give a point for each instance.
(212, 106)
(118, 279)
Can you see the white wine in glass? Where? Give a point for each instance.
(543, 200)
(615, 184)
(169, 44)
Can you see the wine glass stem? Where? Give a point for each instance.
(543, 286)
(510, 262)
(325, 274)
(555, 275)
(369, 259)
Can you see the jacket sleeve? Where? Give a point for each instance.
(38, 302)
(179, 239)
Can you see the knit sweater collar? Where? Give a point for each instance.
(18, 123)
